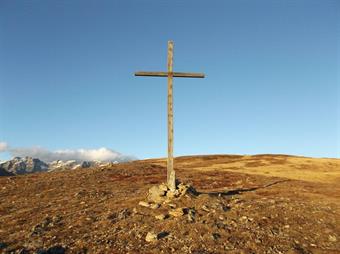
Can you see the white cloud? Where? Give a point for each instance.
(3, 146)
(100, 154)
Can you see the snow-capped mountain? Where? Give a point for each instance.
(60, 165)
(20, 166)
(27, 165)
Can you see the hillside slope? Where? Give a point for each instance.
(246, 204)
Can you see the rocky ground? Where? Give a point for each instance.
(227, 204)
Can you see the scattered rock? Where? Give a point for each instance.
(226, 208)
(332, 238)
(215, 236)
(161, 216)
(172, 205)
(155, 206)
(205, 208)
(56, 219)
(120, 215)
(191, 215)
(176, 212)
(143, 203)
(186, 189)
(243, 218)
(162, 235)
(47, 223)
(151, 237)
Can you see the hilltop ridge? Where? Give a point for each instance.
(242, 204)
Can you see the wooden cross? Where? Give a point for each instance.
(171, 178)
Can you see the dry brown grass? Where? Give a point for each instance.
(275, 204)
(323, 170)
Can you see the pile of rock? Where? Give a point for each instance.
(162, 194)
(162, 197)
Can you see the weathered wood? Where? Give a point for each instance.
(165, 74)
(151, 73)
(171, 178)
(188, 75)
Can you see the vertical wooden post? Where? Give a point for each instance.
(171, 177)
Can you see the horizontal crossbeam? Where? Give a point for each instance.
(165, 74)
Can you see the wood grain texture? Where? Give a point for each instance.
(171, 177)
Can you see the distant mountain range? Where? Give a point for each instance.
(27, 165)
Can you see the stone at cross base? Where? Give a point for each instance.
(162, 193)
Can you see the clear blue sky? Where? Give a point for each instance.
(271, 86)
